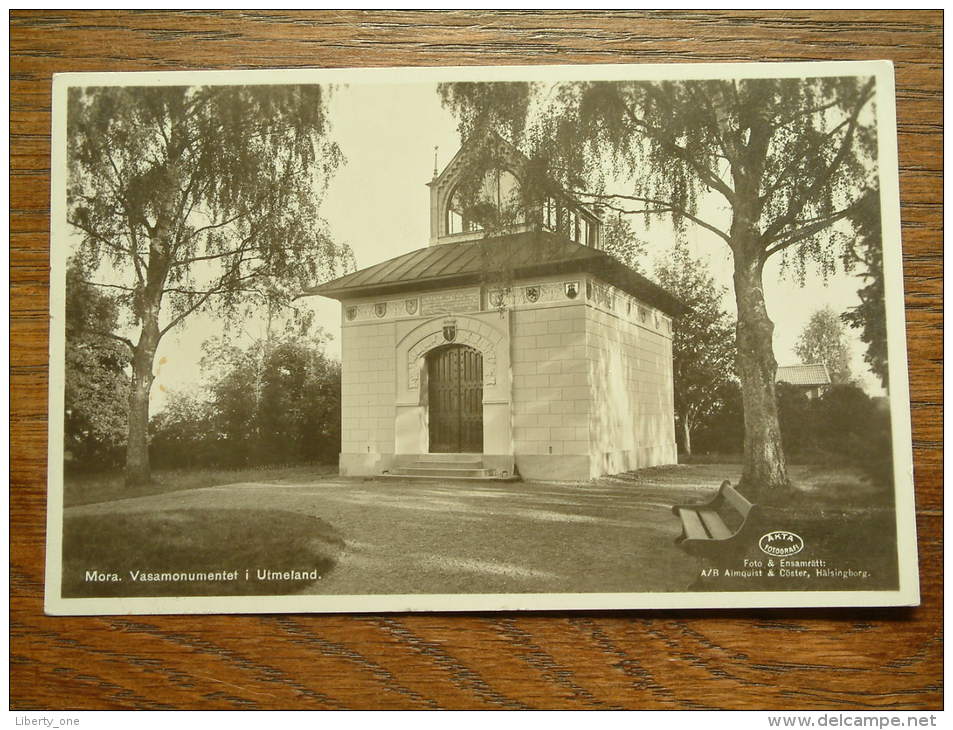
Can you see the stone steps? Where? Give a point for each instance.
(436, 471)
(446, 466)
(453, 459)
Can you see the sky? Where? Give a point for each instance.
(378, 203)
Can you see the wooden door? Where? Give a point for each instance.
(455, 392)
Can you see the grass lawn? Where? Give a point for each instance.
(374, 536)
(82, 489)
(126, 554)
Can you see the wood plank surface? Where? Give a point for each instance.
(790, 659)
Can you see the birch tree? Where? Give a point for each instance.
(192, 199)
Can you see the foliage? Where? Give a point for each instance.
(723, 432)
(183, 434)
(620, 241)
(96, 382)
(276, 401)
(824, 341)
(227, 177)
(869, 316)
(192, 199)
(799, 425)
(843, 425)
(851, 423)
(808, 148)
(498, 106)
(703, 344)
(780, 163)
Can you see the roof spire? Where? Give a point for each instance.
(435, 148)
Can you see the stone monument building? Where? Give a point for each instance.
(520, 350)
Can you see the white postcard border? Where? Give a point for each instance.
(908, 591)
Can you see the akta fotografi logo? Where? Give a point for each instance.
(781, 542)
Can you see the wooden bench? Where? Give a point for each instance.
(718, 526)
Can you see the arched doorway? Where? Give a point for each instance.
(455, 399)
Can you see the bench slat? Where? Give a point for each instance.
(714, 524)
(694, 529)
(704, 529)
(735, 500)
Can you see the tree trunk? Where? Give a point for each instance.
(764, 476)
(144, 354)
(137, 446)
(686, 437)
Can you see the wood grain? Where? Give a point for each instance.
(754, 659)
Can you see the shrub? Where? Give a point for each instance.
(276, 402)
(844, 425)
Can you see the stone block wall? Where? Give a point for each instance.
(630, 374)
(368, 388)
(551, 405)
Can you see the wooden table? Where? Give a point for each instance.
(809, 659)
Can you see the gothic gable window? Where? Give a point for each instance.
(457, 219)
(496, 202)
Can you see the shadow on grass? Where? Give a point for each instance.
(95, 488)
(195, 552)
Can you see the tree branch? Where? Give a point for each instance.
(711, 121)
(821, 180)
(213, 226)
(196, 292)
(137, 263)
(210, 257)
(663, 138)
(109, 286)
(807, 229)
(92, 233)
(181, 216)
(804, 113)
(796, 161)
(219, 288)
(111, 335)
(175, 320)
(665, 204)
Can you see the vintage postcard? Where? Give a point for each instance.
(467, 339)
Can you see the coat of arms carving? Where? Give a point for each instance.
(532, 294)
(450, 330)
(380, 309)
(411, 306)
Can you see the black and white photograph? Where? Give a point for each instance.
(469, 339)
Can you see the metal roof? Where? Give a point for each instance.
(518, 255)
(815, 374)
